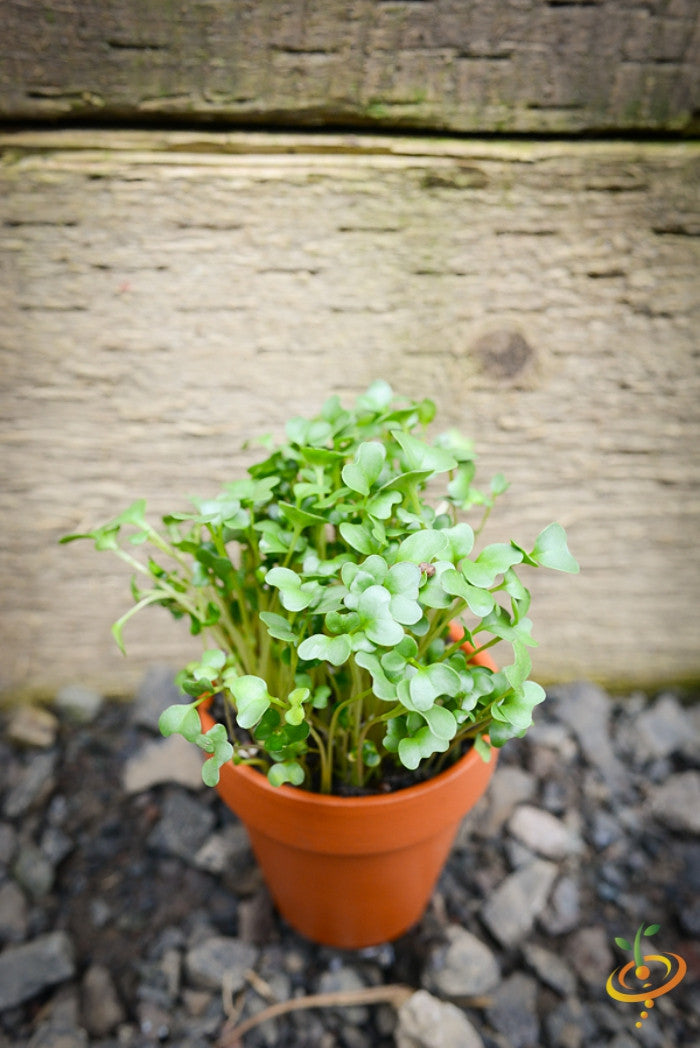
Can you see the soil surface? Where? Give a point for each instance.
(132, 912)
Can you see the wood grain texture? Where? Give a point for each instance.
(166, 296)
(534, 66)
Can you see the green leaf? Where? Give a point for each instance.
(358, 537)
(335, 650)
(479, 600)
(362, 473)
(461, 540)
(134, 514)
(274, 539)
(403, 579)
(458, 445)
(180, 719)
(106, 538)
(498, 623)
(497, 558)
(293, 596)
(518, 673)
(377, 397)
(551, 551)
(286, 771)
(406, 481)
(441, 722)
(415, 748)
(499, 484)
(381, 505)
(405, 610)
(370, 755)
(213, 659)
(652, 929)
(430, 682)
(382, 687)
(410, 752)
(622, 943)
(375, 616)
(424, 546)
(517, 707)
(252, 699)
(210, 771)
(278, 627)
(483, 748)
(300, 518)
(295, 714)
(419, 455)
(254, 492)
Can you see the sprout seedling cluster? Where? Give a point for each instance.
(335, 588)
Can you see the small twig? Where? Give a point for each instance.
(232, 1009)
(394, 994)
(262, 988)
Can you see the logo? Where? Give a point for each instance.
(646, 976)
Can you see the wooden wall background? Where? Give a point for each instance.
(167, 293)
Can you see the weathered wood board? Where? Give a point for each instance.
(166, 296)
(534, 66)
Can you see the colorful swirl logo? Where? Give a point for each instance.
(645, 977)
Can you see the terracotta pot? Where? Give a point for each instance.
(353, 871)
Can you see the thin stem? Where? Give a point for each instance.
(326, 765)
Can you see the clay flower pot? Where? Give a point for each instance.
(352, 872)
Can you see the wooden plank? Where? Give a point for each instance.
(166, 296)
(537, 66)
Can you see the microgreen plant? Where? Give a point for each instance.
(334, 598)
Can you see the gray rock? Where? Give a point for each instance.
(55, 845)
(48, 1036)
(219, 958)
(32, 726)
(677, 802)
(164, 760)
(542, 832)
(224, 850)
(8, 843)
(426, 1022)
(345, 979)
(564, 1024)
(518, 855)
(33, 786)
(509, 787)
(605, 829)
(662, 729)
(554, 737)
(256, 920)
(514, 1011)
(101, 1009)
(171, 967)
(13, 913)
(464, 966)
(156, 691)
(33, 871)
(513, 907)
(154, 1021)
(563, 912)
(591, 955)
(586, 709)
(550, 968)
(29, 969)
(77, 704)
(183, 827)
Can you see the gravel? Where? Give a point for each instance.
(132, 913)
